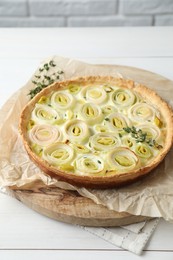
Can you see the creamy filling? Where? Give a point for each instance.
(96, 129)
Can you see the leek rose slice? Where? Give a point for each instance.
(58, 154)
(104, 141)
(143, 150)
(43, 114)
(30, 125)
(107, 110)
(73, 88)
(109, 88)
(62, 100)
(117, 122)
(44, 135)
(153, 132)
(80, 148)
(101, 128)
(90, 164)
(122, 159)
(96, 95)
(158, 122)
(128, 141)
(123, 98)
(77, 131)
(43, 100)
(37, 149)
(91, 113)
(141, 112)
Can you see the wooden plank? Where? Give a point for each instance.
(81, 254)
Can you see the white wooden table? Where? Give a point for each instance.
(24, 234)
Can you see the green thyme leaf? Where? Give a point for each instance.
(47, 77)
(141, 137)
(46, 66)
(52, 64)
(60, 72)
(37, 76)
(41, 81)
(127, 129)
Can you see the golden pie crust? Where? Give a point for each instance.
(111, 178)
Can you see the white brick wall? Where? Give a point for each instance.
(78, 13)
(147, 6)
(13, 8)
(164, 20)
(72, 7)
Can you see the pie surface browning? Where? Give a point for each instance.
(97, 132)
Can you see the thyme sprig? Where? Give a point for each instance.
(43, 79)
(142, 137)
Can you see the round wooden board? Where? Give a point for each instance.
(68, 206)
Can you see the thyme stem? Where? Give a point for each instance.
(141, 136)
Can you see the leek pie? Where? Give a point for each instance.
(97, 132)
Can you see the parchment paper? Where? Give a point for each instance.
(153, 196)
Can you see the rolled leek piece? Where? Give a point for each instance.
(142, 112)
(109, 88)
(128, 141)
(79, 148)
(117, 121)
(91, 113)
(122, 159)
(43, 114)
(62, 100)
(58, 154)
(74, 88)
(77, 131)
(45, 135)
(104, 141)
(101, 128)
(43, 100)
(89, 164)
(151, 131)
(107, 110)
(143, 151)
(123, 98)
(95, 95)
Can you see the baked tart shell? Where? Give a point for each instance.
(111, 179)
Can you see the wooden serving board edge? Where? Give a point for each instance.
(69, 207)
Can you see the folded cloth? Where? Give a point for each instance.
(133, 237)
